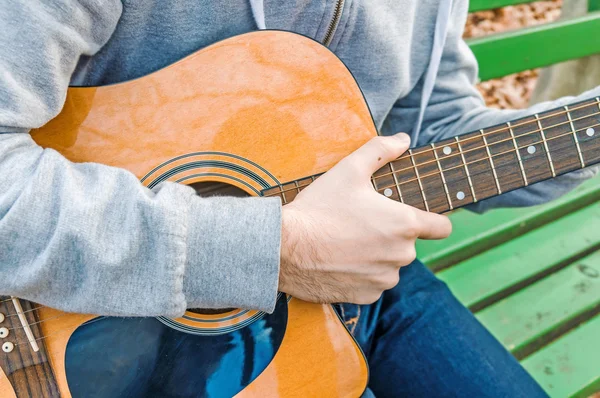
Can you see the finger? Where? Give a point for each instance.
(433, 226)
(379, 151)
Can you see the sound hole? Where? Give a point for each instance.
(212, 188)
(210, 311)
(209, 189)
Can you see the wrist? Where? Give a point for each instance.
(289, 223)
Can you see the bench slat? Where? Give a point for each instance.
(480, 5)
(515, 51)
(496, 272)
(530, 318)
(474, 233)
(569, 367)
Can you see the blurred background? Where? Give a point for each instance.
(532, 275)
(529, 87)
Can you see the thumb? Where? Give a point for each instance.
(379, 151)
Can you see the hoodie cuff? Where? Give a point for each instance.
(233, 253)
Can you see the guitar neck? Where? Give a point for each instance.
(468, 168)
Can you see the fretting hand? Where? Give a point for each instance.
(344, 242)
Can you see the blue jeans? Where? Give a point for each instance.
(420, 341)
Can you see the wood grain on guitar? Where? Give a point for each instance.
(193, 123)
(266, 113)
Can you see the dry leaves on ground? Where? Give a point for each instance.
(515, 90)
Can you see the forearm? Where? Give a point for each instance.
(91, 238)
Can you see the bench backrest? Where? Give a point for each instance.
(518, 50)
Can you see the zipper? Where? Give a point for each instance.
(335, 21)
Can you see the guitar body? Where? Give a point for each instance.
(252, 112)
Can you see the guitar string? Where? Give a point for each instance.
(21, 342)
(480, 147)
(503, 129)
(464, 179)
(39, 322)
(25, 312)
(487, 158)
(9, 315)
(460, 153)
(53, 318)
(420, 192)
(506, 129)
(8, 299)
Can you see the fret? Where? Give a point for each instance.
(512, 134)
(374, 183)
(437, 160)
(431, 187)
(533, 153)
(305, 182)
(384, 180)
(575, 137)
(405, 174)
(539, 122)
(289, 191)
(396, 181)
(487, 149)
(410, 154)
(271, 192)
(455, 176)
(479, 172)
(506, 163)
(282, 195)
(431, 179)
(586, 120)
(462, 155)
(559, 143)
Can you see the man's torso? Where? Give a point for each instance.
(385, 44)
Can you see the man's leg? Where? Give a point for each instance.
(420, 341)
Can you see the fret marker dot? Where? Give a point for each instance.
(590, 132)
(387, 192)
(8, 347)
(531, 149)
(447, 150)
(460, 195)
(3, 332)
(1, 317)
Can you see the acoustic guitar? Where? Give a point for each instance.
(263, 114)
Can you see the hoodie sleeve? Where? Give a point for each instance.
(456, 107)
(90, 238)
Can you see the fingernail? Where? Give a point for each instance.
(403, 137)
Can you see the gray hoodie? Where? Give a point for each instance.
(91, 238)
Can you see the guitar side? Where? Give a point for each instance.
(251, 111)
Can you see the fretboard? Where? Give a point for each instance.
(471, 167)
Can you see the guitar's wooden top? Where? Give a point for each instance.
(275, 98)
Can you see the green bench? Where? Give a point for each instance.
(532, 276)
